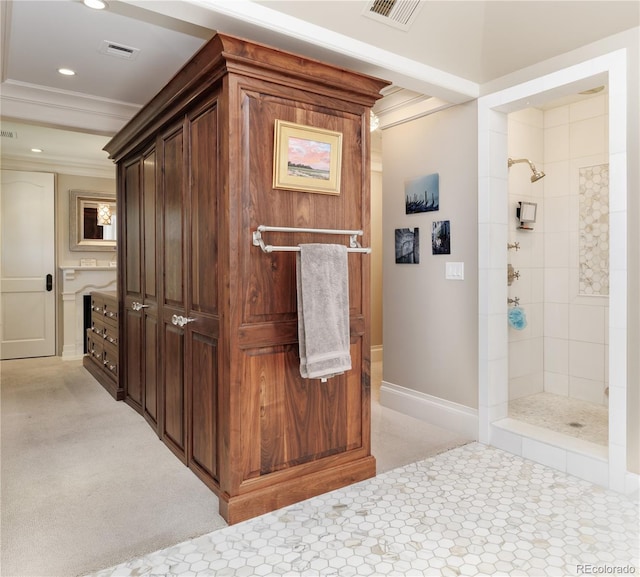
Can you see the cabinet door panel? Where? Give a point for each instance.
(204, 403)
(150, 221)
(290, 420)
(173, 220)
(174, 401)
(204, 211)
(133, 340)
(130, 228)
(151, 370)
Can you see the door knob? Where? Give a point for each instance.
(180, 321)
(136, 306)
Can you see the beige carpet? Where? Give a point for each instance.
(86, 484)
(398, 439)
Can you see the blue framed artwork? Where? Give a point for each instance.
(422, 194)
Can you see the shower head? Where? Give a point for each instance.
(537, 174)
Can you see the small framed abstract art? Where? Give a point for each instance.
(407, 246)
(441, 237)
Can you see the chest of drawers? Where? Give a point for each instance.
(101, 359)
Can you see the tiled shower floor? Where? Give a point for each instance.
(473, 510)
(573, 417)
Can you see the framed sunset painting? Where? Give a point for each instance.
(306, 158)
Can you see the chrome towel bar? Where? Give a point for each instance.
(354, 245)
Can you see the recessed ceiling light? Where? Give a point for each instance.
(36, 150)
(66, 71)
(95, 4)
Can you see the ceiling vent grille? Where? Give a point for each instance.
(397, 13)
(9, 134)
(119, 50)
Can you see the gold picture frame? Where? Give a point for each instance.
(306, 158)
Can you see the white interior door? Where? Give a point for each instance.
(27, 265)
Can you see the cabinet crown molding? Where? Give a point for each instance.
(225, 54)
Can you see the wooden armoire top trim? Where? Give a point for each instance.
(228, 54)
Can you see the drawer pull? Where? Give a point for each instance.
(180, 321)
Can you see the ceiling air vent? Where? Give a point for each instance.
(9, 134)
(119, 50)
(397, 13)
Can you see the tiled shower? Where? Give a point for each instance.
(561, 267)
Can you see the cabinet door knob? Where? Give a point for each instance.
(136, 306)
(180, 321)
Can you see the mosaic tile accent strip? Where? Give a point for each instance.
(594, 230)
(474, 510)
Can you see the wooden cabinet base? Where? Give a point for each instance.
(112, 387)
(261, 501)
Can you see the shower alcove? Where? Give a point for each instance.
(564, 357)
(557, 377)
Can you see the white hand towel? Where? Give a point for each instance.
(322, 275)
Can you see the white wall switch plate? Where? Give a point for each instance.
(454, 271)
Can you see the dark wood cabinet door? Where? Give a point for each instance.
(202, 333)
(173, 218)
(138, 235)
(150, 234)
(131, 246)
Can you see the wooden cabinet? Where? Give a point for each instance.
(138, 286)
(103, 338)
(209, 321)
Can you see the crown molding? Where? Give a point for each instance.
(63, 109)
(59, 166)
(399, 105)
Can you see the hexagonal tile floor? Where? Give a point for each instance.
(474, 510)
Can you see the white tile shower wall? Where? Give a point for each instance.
(526, 347)
(575, 326)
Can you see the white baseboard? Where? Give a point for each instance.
(376, 353)
(71, 352)
(632, 484)
(440, 412)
